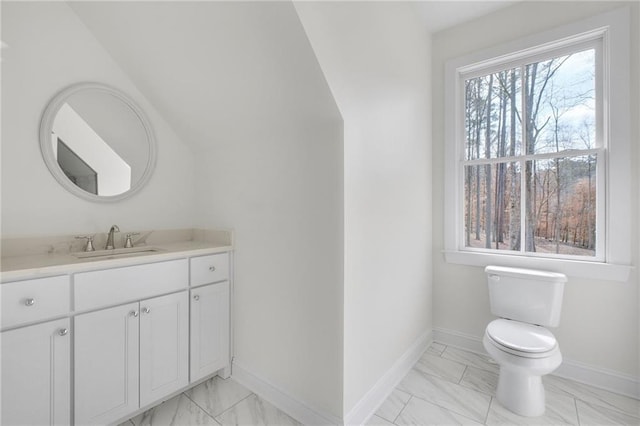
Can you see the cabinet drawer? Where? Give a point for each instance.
(209, 269)
(113, 286)
(34, 300)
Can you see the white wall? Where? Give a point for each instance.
(282, 194)
(281, 190)
(375, 57)
(240, 82)
(599, 325)
(48, 49)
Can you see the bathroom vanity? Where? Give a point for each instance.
(96, 340)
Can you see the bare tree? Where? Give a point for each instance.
(487, 167)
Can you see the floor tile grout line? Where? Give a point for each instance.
(442, 351)
(483, 368)
(610, 407)
(246, 397)
(462, 375)
(604, 404)
(486, 417)
(475, 389)
(448, 409)
(599, 403)
(223, 411)
(477, 354)
(200, 407)
(403, 407)
(197, 406)
(454, 411)
(593, 392)
(455, 383)
(575, 404)
(442, 377)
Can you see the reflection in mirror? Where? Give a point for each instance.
(96, 142)
(78, 172)
(86, 159)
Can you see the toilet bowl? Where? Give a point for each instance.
(526, 301)
(524, 353)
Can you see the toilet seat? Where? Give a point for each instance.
(521, 339)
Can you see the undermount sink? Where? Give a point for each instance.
(117, 253)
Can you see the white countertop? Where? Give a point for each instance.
(25, 264)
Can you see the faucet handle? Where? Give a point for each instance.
(89, 245)
(128, 243)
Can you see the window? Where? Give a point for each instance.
(538, 154)
(531, 143)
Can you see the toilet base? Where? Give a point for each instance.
(521, 393)
(520, 386)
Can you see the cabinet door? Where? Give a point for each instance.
(106, 364)
(164, 346)
(209, 329)
(36, 374)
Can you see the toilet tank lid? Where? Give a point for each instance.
(526, 273)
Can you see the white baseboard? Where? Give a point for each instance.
(458, 340)
(600, 377)
(373, 399)
(359, 414)
(297, 409)
(574, 370)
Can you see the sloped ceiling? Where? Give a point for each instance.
(442, 14)
(221, 71)
(217, 71)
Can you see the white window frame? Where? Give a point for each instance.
(614, 172)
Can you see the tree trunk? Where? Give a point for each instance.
(514, 210)
(501, 167)
(478, 127)
(530, 78)
(487, 168)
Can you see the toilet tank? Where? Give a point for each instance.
(526, 295)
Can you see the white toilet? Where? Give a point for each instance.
(526, 301)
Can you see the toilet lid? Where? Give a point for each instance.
(520, 336)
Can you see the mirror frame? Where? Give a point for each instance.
(46, 126)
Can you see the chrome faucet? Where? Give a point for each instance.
(110, 244)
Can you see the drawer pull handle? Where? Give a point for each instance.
(196, 297)
(212, 268)
(146, 310)
(133, 313)
(30, 302)
(63, 331)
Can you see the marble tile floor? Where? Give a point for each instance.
(447, 386)
(214, 402)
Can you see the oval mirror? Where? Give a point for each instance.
(97, 142)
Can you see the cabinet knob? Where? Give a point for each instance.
(30, 302)
(133, 313)
(212, 268)
(63, 331)
(196, 297)
(146, 310)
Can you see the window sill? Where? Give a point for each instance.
(571, 268)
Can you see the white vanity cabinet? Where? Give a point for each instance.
(96, 346)
(210, 336)
(36, 385)
(134, 349)
(35, 359)
(106, 364)
(209, 329)
(164, 346)
(133, 354)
